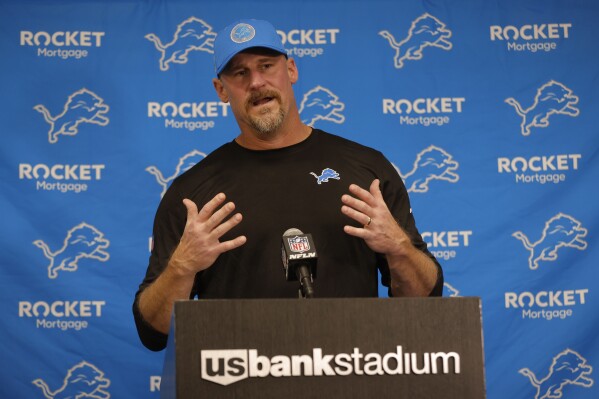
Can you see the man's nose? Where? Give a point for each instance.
(256, 80)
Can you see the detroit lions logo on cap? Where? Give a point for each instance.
(242, 33)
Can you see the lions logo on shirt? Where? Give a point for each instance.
(326, 174)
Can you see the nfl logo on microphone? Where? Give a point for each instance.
(299, 244)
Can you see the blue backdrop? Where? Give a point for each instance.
(488, 109)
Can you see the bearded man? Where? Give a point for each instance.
(218, 229)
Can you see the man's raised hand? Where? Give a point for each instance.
(200, 243)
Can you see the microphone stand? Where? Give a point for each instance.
(305, 278)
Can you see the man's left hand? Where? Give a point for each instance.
(380, 230)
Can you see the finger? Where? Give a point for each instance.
(192, 209)
(356, 215)
(356, 204)
(356, 231)
(375, 188)
(231, 244)
(209, 208)
(220, 215)
(362, 194)
(223, 228)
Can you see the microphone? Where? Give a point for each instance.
(299, 257)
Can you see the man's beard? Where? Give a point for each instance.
(268, 121)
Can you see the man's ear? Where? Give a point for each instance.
(220, 90)
(292, 70)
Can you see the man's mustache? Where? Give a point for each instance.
(262, 94)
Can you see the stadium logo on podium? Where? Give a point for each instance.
(83, 380)
(227, 366)
(83, 106)
(186, 162)
(82, 242)
(432, 163)
(321, 104)
(224, 367)
(567, 368)
(551, 98)
(193, 34)
(560, 231)
(426, 31)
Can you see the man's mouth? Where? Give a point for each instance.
(259, 99)
(262, 101)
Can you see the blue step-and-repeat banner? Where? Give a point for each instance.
(489, 110)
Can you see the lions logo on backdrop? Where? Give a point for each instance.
(325, 175)
(193, 34)
(426, 31)
(450, 291)
(551, 98)
(567, 368)
(185, 163)
(83, 106)
(83, 380)
(321, 104)
(560, 231)
(432, 163)
(82, 241)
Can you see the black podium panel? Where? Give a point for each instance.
(330, 348)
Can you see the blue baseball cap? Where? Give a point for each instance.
(242, 35)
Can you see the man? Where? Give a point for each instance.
(218, 229)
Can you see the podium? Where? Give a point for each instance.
(413, 348)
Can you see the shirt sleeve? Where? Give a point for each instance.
(398, 201)
(169, 223)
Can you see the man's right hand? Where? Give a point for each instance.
(200, 243)
(198, 249)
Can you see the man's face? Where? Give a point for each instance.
(257, 83)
